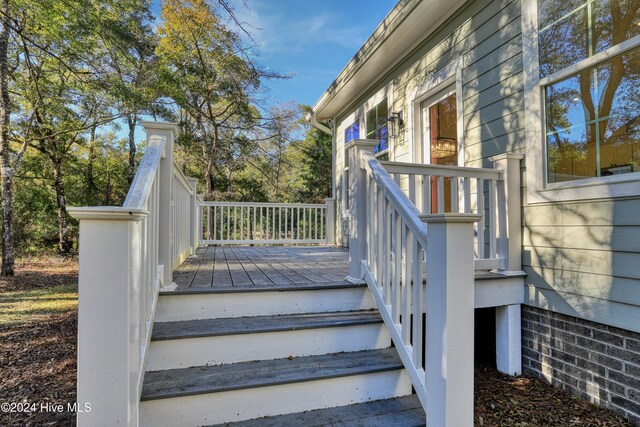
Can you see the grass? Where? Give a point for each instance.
(35, 305)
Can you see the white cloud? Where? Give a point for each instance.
(277, 30)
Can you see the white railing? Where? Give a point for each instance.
(267, 223)
(423, 282)
(126, 256)
(440, 189)
(183, 204)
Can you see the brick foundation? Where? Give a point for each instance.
(595, 362)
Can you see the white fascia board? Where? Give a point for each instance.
(403, 29)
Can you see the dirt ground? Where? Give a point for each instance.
(38, 362)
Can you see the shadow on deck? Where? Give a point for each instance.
(225, 267)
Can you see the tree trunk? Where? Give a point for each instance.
(131, 121)
(8, 250)
(64, 242)
(91, 184)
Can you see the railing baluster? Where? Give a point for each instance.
(416, 303)
(440, 192)
(397, 255)
(380, 245)
(467, 195)
(426, 194)
(455, 196)
(386, 253)
(228, 222)
(480, 225)
(491, 218)
(407, 240)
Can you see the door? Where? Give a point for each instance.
(440, 141)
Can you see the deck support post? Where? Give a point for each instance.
(357, 214)
(508, 339)
(165, 172)
(449, 330)
(331, 220)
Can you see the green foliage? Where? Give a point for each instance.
(79, 69)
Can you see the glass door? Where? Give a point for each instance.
(440, 140)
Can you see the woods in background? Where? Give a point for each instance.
(76, 78)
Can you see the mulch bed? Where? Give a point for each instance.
(501, 400)
(38, 365)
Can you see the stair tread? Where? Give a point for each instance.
(237, 376)
(258, 324)
(264, 288)
(403, 411)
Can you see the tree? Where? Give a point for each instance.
(210, 75)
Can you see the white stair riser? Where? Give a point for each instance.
(188, 352)
(224, 305)
(258, 402)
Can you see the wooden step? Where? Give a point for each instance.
(236, 376)
(257, 324)
(240, 339)
(403, 411)
(214, 303)
(240, 391)
(277, 287)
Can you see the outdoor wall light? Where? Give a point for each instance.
(397, 123)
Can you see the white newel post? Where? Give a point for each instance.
(194, 218)
(357, 194)
(450, 319)
(165, 238)
(108, 329)
(508, 326)
(331, 220)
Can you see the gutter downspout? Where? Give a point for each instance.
(311, 118)
(316, 124)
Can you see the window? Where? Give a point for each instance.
(592, 112)
(378, 126)
(352, 132)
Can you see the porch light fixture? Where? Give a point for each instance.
(397, 123)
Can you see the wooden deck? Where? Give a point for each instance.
(262, 266)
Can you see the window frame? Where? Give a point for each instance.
(539, 190)
(386, 151)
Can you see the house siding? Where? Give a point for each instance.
(486, 35)
(582, 259)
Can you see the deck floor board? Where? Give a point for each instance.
(223, 267)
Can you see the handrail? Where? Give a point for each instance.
(456, 189)
(442, 170)
(140, 189)
(127, 254)
(422, 283)
(408, 211)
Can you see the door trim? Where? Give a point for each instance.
(451, 75)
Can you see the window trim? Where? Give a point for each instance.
(539, 190)
(451, 75)
(366, 123)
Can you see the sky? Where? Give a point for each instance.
(311, 40)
